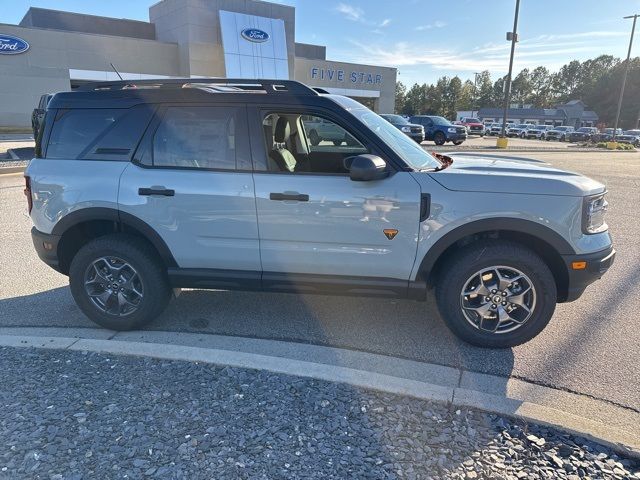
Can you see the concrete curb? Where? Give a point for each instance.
(519, 399)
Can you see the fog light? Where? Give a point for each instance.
(47, 245)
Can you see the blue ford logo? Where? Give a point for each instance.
(255, 35)
(10, 45)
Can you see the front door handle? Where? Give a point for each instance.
(166, 192)
(300, 197)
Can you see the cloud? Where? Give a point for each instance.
(550, 50)
(356, 14)
(436, 24)
(350, 12)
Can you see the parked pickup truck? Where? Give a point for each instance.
(474, 125)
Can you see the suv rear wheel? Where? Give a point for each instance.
(118, 282)
(496, 294)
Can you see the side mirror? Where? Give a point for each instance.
(365, 168)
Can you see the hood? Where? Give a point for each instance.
(503, 175)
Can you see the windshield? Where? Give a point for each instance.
(440, 121)
(562, 129)
(473, 120)
(585, 129)
(406, 148)
(524, 125)
(400, 120)
(632, 132)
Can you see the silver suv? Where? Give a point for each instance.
(140, 188)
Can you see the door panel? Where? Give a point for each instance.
(340, 229)
(209, 221)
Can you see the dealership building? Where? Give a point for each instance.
(52, 51)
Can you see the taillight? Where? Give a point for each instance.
(27, 192)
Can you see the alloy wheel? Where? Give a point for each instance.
(113, 286)
(498, 299)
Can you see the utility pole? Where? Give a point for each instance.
(513, 36)
(624, 78)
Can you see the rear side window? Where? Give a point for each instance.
(97, 134)
(208, 137)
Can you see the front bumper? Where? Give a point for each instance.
(597, 265)
(46, 246)
(456, 137)
(418, 137)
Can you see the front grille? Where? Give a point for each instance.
(461, 130)
(416, 129)
(475, 127)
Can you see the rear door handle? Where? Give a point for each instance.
(300, 197)
(166, 192)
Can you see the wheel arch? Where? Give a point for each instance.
(81, 226)
(547, 243)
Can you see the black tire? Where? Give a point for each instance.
(459, 268)
(155, 284)
(522, 135)
(458, 142)
(439, 138)
(337, 143)
(314, 138)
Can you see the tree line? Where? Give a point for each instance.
(596, 82)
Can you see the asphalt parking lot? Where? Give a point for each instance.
(591, 346)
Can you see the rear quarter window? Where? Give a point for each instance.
(97, 134)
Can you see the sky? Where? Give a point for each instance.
(426, 39)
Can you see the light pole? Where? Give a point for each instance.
(475, 92)
(624, 81)
(502, 140)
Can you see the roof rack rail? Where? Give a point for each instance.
(268, 85)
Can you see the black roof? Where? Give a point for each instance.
(127, 93)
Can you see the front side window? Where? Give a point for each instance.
(199, 137)
(307, 143)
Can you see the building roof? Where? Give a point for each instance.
(570, 110)
(83, 23)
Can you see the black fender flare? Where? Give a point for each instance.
(121, 219)
(517, 225)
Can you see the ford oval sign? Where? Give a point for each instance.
(10, 45)
(255, 35)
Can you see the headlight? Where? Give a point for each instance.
(406, 129)
(451, 130)
(593, 212)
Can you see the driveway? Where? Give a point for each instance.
(590, 347)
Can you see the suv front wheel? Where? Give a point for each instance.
(496, 294)
(118, 282)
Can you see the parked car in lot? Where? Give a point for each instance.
(537, 132)
(494, 129)
(631, 137)
(411, 130)
(560, 133)
(205, 184)
(474, 126)
(519, 130)
(38, 113)
(606, 135)
(440, 130)
(583, 134)
(322, 130)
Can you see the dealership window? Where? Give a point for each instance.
(305, 143)
(201, 138)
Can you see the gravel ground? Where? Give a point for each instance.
(68, 415)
